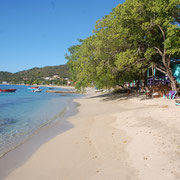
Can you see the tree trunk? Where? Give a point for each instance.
(173, 81)
(166, 63)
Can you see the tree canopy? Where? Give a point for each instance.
(126, 42)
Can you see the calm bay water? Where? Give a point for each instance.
(22, 113)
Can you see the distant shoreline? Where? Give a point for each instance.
(54, 86)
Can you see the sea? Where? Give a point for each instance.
(23, 113)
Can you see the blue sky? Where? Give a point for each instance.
(37, 33)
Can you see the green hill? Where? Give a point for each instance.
(35, 73)
(5, 75)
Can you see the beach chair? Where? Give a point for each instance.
(171, 94)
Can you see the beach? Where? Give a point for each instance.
(112, 137)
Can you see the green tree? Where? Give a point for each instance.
(125, 42)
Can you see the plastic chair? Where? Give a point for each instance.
(171, 94)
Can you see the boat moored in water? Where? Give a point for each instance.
(7, 90)
(34, 87)
(37, 90)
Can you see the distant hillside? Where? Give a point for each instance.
(36, 73)
(5, 75)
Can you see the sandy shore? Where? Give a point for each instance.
(56, 86)
(112, 138)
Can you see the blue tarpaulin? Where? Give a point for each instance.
(176, 72)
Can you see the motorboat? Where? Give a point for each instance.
(34, 87)
(37, 90)
(7, 90)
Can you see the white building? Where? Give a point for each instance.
(47, 78)
(56, 76)
(5, 82)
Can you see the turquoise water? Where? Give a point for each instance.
(22, 113)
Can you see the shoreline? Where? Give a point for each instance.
(128, 138)
(27, 136)
(55, 86)
(20, 153)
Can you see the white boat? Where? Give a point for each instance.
(37, 90)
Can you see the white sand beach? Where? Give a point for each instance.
(112, 139)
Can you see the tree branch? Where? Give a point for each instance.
(160, 70)
(163, 33)
(159, 51)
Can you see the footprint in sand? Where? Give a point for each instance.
(145, 158)
(94, 157)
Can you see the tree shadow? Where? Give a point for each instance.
(121, 96)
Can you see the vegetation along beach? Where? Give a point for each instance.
(110, 110)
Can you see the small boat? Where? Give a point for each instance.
(34, 87)
(37, 90)
(7, 90)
